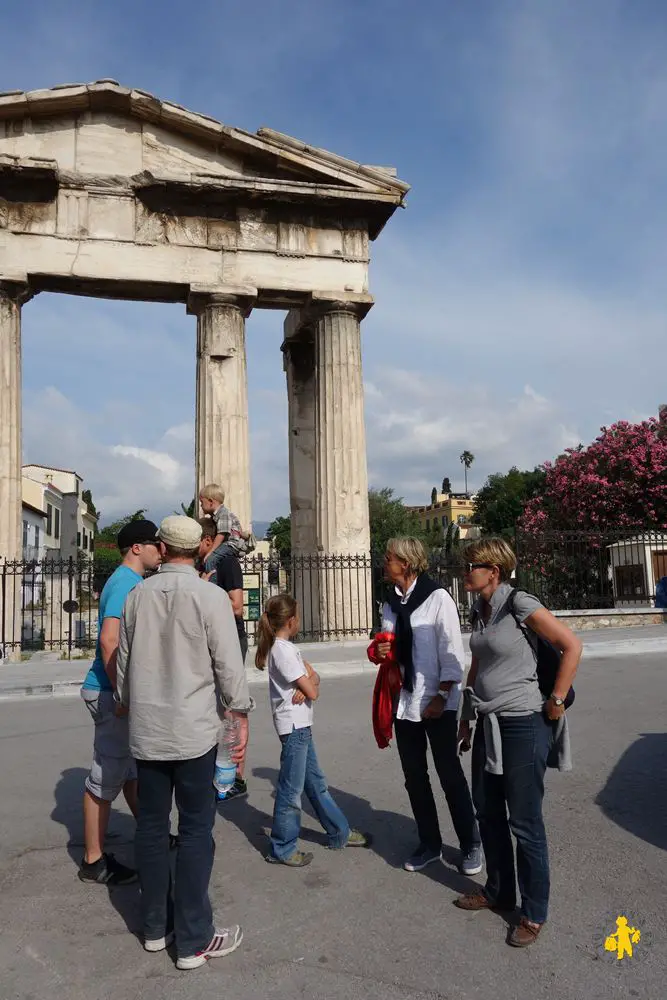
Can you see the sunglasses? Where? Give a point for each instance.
(469, 567)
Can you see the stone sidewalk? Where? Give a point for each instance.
(47, 675)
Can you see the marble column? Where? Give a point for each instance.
(342, 528)
(341, 476)
(12, 296)
(299, 364)
(222, 453)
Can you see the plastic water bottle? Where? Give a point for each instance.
(225, 768)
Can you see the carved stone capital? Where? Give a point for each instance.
(17, 291)
(200, 299)
(300, 321)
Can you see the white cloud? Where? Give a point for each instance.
(413, 446)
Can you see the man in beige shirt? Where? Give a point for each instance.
(178, 649)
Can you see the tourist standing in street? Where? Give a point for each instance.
(517, 731)
(293, 687)
(228, 574)
(178, 650)
(113, 769)
(428, 646)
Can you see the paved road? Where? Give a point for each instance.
(353, 925)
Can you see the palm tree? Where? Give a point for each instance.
(467, 458)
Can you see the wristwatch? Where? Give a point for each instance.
(557, 701)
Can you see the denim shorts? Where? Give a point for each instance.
(113, 764)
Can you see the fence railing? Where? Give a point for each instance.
(54, 604)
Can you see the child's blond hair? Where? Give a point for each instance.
(212, 492)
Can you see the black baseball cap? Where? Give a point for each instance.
(137, 533)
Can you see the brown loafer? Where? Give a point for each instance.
(472, 901)
(525, 934)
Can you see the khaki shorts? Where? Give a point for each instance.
(113, 764)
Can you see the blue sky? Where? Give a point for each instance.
(521, 295)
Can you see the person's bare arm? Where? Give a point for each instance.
(309, 686)
(109, 647)
(236, 597)
(299, 697)
(544, 624)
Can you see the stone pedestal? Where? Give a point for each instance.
(12, 296)
(222, 452)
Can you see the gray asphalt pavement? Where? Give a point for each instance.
(353, 925)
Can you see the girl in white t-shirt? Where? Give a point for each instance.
(293, 687)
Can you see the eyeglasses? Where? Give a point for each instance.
(469, 567)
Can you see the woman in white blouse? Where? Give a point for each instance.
(429, 649)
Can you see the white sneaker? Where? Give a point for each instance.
(223, 943)
(159, 944)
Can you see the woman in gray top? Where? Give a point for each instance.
(515, 733)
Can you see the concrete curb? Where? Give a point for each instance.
(338, 668)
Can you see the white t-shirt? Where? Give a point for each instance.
(285, 667)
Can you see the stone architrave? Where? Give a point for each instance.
(222, 452)
(12, 296)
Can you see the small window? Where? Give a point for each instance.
(445, 520)
(90, 544)
(25, 535)
(630, 581)
(49, 518)
(37, 537)
(85, 540)
(428, 523)
(78, 539)
(56, 531)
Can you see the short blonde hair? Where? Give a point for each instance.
(409, 551)
(212, 492)
(494, 551)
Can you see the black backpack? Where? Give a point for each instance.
(547, 656)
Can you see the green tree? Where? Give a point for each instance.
(467, 458)
(110, 532)
(434, 496)
(279, 533)
(389, 517)
(87, 498)
(446, 485)
(501, 501)
(189, 510)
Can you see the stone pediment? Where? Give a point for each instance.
(106, 130)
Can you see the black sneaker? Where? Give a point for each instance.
(107, 871)
(239, 790)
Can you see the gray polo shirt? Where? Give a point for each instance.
(177, 643)
(507, 662)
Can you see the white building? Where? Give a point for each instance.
(636, 566)
(70, 525)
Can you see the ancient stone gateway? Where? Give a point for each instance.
(107, 191)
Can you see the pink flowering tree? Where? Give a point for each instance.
(617, 482)
(610, 489)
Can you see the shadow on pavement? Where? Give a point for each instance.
(635, 796)
(68, 811)
(393, 834)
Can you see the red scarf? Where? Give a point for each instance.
(387, 687)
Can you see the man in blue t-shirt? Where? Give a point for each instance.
(113, 769)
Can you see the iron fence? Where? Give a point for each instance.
(53, 604)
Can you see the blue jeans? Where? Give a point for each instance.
(189, 913)
(299, 773)
(518, 792)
